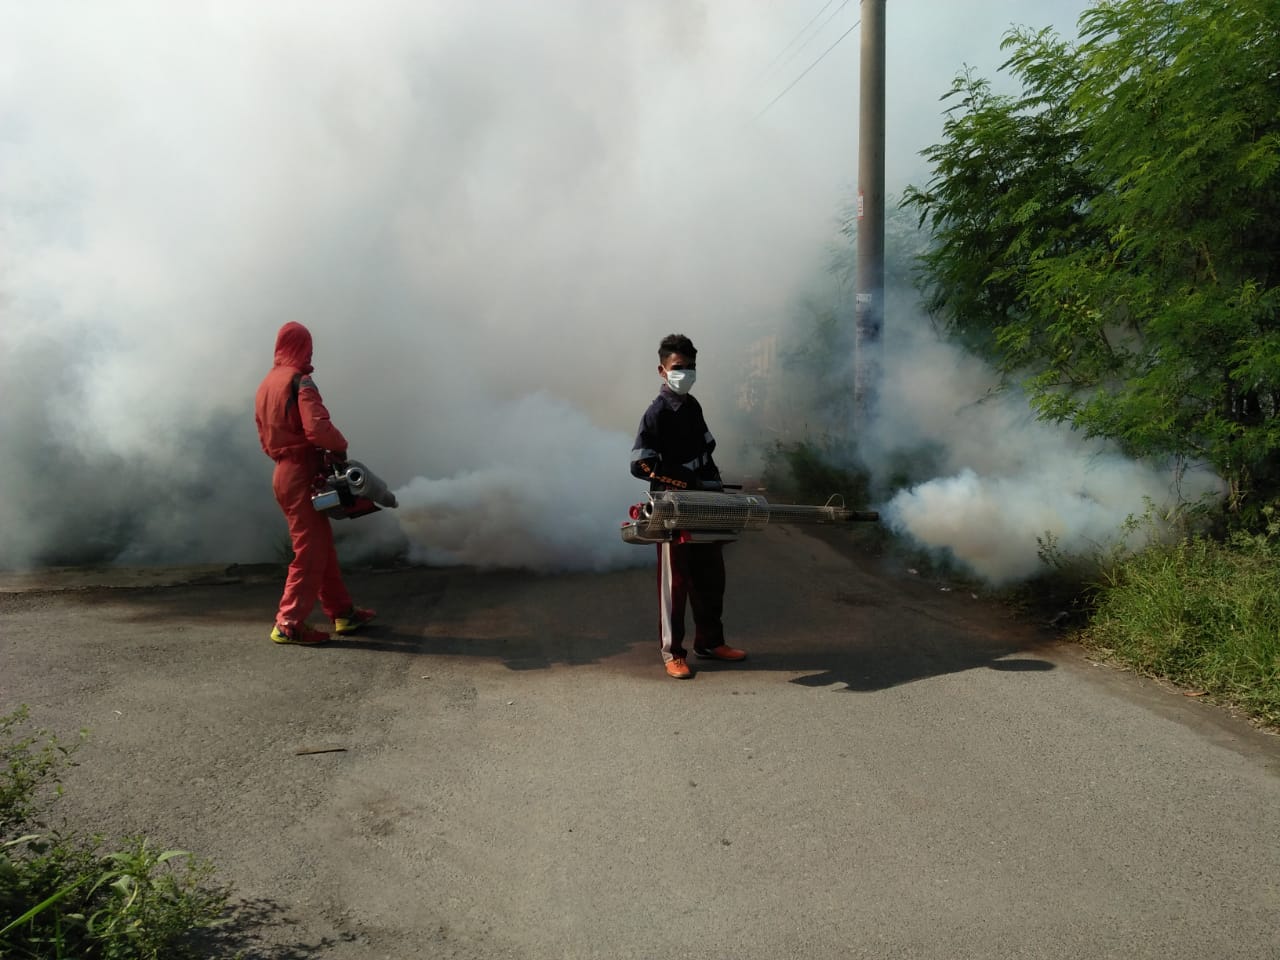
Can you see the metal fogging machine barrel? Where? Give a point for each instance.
(696, 516)
(349, 490)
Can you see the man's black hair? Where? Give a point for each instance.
(677, 343)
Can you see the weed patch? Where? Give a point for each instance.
(64, 895)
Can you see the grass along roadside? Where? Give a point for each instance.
(1201, 613)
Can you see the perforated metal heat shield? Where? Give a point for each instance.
(721, 516)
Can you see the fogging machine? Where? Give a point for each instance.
(701, 516)
(349, 489)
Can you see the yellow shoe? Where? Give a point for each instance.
(352, 620)
(302, 633)
(678, 669)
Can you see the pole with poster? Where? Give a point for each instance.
(869, 277)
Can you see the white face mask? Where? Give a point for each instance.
(681, 381)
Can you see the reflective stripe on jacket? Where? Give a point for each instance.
(673, 447)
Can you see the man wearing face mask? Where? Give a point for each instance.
(673, 452)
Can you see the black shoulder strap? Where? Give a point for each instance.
(293, 391)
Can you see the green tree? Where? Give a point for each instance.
(1110, 236)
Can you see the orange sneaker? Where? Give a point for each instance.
(678, 669)
(722, 652)
(301, 633)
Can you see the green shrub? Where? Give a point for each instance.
(63, 895)
(806, 472)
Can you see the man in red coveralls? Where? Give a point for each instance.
(296, 432)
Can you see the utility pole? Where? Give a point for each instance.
(869, 278)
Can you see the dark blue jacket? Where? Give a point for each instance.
(673, 448)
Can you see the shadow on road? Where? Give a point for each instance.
(246, 934)
(524, 621)
(902, 640)
(867, 673)
(879, 663)
(517, 651)
(864, 629)
(881, 629)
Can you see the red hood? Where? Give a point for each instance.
(293, 347)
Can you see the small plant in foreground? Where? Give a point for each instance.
(63, 895)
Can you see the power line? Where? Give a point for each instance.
(808, 68)
(769, 68)
(813, 36)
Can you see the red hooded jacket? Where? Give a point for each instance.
(292, 419)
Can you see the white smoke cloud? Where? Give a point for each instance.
(468, 204)
(1004, 477)
(549, 497)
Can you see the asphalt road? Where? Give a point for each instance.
(900, 771)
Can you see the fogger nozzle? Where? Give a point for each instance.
(363, 483)
(352, 490)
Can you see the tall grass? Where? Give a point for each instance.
(1202, 613)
